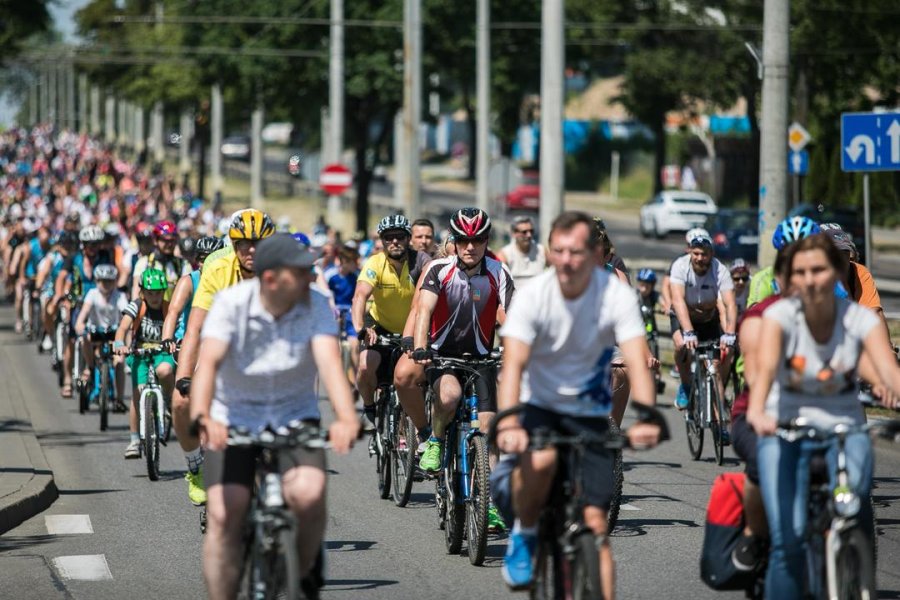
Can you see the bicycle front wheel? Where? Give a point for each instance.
(382, 456)
(547, 572)
(693, 420)
(454, 508)
(286, 572)
(151, 437)
(403, 459)
(718, 424)
(104, 396)
(612, 516)
(585, 569)
(479, 499)
(854, 568)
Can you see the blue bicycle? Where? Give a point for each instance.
(462, 486)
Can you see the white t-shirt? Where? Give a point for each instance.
(818, 381)
(572, 341)
(701, 291)
(105, 313)
(268, 376)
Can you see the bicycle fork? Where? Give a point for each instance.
(160, 411)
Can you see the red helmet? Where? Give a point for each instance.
(165, 228)
(470, 222)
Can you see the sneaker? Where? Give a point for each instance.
(431, 457)
(681, 398)
(518, 562)
(368, 421)
(747, 553)
(196, 489)
(47, 344)
(133, 450)
(495, 521)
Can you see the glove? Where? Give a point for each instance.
(406, 344)
(361, 334)
(689, 337)
(728, 339)
(421, 354)
(183, 386)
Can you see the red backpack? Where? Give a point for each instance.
(724, 528)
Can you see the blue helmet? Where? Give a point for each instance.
(301, 237)
(646, 275)
(793, 229)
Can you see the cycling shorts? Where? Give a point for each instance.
(743, 440)
(140, 373)
(485, 384)
(709, 331)
(388, 354)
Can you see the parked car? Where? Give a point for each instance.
(674, 210)
(236, 147)
(526, 195)
(850, 220)
(735, 233)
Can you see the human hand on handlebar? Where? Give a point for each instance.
(342, 434)
(690, 339)
(642, 436)
(512, 439)
(421, 356)
(367, 336)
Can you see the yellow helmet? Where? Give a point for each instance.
(250, 224)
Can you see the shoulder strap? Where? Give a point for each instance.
(136, 324)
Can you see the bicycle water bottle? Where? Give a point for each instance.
(272, 497)
(472, 405)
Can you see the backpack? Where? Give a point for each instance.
(723, 530)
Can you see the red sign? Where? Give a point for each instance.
(671, 176)
(335, 179)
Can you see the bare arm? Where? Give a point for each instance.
(665, 294)
(749, 340)
(203, 387)
(410, 326)
(42, 273)
(358, 308)
(327, 354)
(766, 368)
(82, 317)
(635, 351)
(190, 346)
(730, 310)
(184, 289)
(680, 307)
(424, 310)
(878, 348)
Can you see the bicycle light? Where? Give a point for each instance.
(273, 497)
(846, 502)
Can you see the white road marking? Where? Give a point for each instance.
(68, 524)
(627, 506)
(85, 567)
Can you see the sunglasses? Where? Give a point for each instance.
(244, 245)
(481, 239)
(394, 237)
(524, 231)
(741, 278)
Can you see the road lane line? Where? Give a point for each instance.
(84, 567)
(627, 506)
(68, 524)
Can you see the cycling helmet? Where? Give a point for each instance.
(470, 222)
(209, 244)
(793, 229)
(250, 224)
(92, 234)
(154, 279)
(73, 217)
(694, 233)
(739, 266)
(646, 275)
(68, 238)
(187, 245)
(701, 240)
(393, 222)
(143, 231)
(106, 273)
(165, 228)
(301, 237)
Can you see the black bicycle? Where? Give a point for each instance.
(103, 377)
(567, 560)
(462, 486)
(706, 410)
(270, 566)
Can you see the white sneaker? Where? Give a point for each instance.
(133, 450)
(47, 344)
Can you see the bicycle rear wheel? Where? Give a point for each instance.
(612, 516)
(585, 569)
(151, 437)
(104, 396)
(478, 500)
(694, 419)
(718, 423)
(854, 568)
(403, 458)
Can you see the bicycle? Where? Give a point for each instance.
(840, 556)
(385, 438)
(653, 341)
(155, 419)
(462, 486)
(270, 566)
(60, 339)
(82, 391)
(31, 313)
(103, 377)
(706, 409)
(567, 560)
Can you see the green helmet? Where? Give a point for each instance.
(154, 279)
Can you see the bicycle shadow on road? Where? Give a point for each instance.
(14, 425)
(638, 527)
(356, 585)
(163, 475)
(20, 542)
(75, 438)
(632, 464)
(347, 546)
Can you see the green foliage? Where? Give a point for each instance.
(817, 179)
(20, 20)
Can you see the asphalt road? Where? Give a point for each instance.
(140, 539)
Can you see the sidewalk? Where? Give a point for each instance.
(26, 482)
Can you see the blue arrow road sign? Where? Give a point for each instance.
(798, 162)
(870, 141)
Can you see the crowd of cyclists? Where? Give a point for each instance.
(101, 249)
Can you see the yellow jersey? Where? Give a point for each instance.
(219, 272)
(392, 292)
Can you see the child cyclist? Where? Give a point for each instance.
(98, 319)
(144, 318)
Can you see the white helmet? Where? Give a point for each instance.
(695, 233)
(92, 233)
(106, 273)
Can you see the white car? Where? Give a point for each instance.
(673, 210)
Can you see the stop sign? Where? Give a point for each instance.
(335, 179)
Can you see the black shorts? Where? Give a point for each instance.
(388, 354)
(710, 331)
(598, 480)
(485, 384)
(743, 440)
(238, 465)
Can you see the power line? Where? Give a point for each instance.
(213, 51)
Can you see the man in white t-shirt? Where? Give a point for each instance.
(558, 346)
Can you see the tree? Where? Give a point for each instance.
(20, 21)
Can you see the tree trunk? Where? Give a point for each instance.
(753, 160)
(659, 152)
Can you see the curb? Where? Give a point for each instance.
(34, 497)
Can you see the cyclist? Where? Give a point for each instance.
(557, 350)
(740, 277)
(423, 237)
(31, 255)
(262, 345)
(524, 257)
(816, 341)
(221, 270)
(101, 310)
(180, 305)
(341, 280)
(698, 280)
(163, 258)
(45, 280)
(610, 257)
(389, 279)
(143, 318)
(143, 233)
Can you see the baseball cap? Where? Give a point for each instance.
(281, 250)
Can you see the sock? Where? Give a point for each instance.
(433, 438)
(424, 434)
(370, 412)
(135, 437)
(517, 528)
(194, 459)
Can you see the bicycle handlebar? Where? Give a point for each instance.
(295, 434)
(801, 428)
(149, 351)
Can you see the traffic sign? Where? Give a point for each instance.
(335, 179)
(870, 141)
(798, 163)
(798, 137)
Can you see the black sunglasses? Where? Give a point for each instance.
(741, 278)
(245, 244)
(471, 240)
(394, 237)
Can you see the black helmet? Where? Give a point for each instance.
(209, 244)
(187, 245)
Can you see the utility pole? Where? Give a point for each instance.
(483, 100)
(215, 150)
(336, 98)
(140, 140)
(184, 150)
(110, 121)
(552, 82)
(82, 103)
(62, 109)
(773, 124)
(51, 96)
(412, 105)
(43, 105)
(70, 96)
(256, 157)
(33, 102)
(156, 127)
(95, 111)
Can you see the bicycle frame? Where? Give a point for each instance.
(706, 370)
(150, 389)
